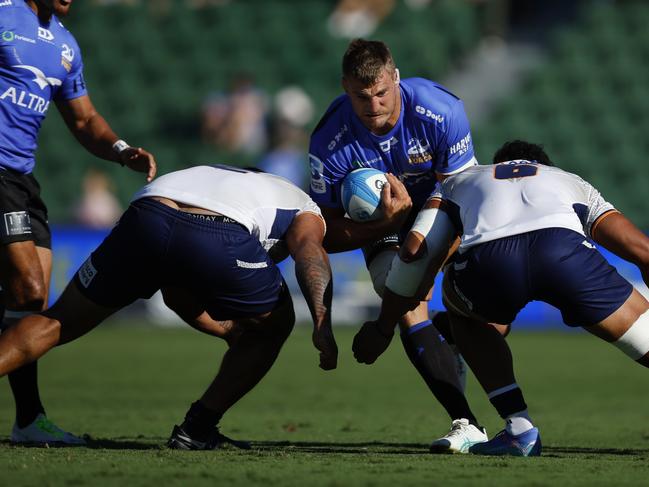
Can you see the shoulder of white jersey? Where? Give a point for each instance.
(429, 101)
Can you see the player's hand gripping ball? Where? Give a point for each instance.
(361, 194)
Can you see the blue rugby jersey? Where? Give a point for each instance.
(432, 135)
(39, 62)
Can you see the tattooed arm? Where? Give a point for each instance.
(304, 240)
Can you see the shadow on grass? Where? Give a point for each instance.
(99, 443)
(550, 450)
(158, 443)
(346, 448)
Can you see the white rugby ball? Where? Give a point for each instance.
(361, 194)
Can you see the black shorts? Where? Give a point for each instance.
(497, 279)
(154, 246)
(24, 215)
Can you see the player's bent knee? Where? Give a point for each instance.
(29, 295)
(635, 341)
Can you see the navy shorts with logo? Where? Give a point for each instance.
(22, 211)
(154, 246)
(555, 265)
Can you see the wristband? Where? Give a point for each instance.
(120, 146)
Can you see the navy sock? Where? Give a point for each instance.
(443, 325)
(24, 386)
(436, 363)
(508, 400)
(200, 421)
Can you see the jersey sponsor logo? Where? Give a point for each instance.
(462, 147)
(331, 145)
(25, 100)
(9, 36)
(386, 145)
(317, 179)
(6, 3)
(429, 114)
(418, 151)
(87, 273)
(45, 34)
(41, 80)
(17, 223)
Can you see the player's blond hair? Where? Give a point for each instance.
(366, 60)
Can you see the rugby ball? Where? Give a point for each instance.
(361, 194)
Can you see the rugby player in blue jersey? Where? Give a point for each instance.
(415, 129)
(211, 244)
(524, 227)
(40, 62)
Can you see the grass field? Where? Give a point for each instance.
(358, 425)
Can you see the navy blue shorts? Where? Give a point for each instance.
(154, 246)
(554, 265)
(23, 214)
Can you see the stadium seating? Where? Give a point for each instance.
(589, 104)
(148, 71)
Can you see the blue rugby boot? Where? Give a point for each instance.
(526, 444)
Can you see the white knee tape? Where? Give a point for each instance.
(404, 278)
(635, 341)
(379, 267)
(436, 228)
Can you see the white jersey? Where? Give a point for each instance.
(490, 202)
(265, 204)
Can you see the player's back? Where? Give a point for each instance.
(491, 202)
(264, 203)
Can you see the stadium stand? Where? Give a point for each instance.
(149, 71)
(589, 104)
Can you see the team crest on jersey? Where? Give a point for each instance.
(6, 3)
(418, 151)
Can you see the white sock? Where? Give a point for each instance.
(518, 423)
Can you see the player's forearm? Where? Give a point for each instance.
(344, 234)
(619, 235)
(313, 274)
(97, 137)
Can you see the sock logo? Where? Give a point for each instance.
(87, 273)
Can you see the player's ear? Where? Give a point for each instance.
(343, 83)
(397, 76)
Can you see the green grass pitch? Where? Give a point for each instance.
(127, 386)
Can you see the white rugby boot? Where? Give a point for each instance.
(463, 435)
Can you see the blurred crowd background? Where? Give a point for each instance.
(244, 82)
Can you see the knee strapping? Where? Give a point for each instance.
(635, 341)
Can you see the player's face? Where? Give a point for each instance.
(59, 7)
(376, 105)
